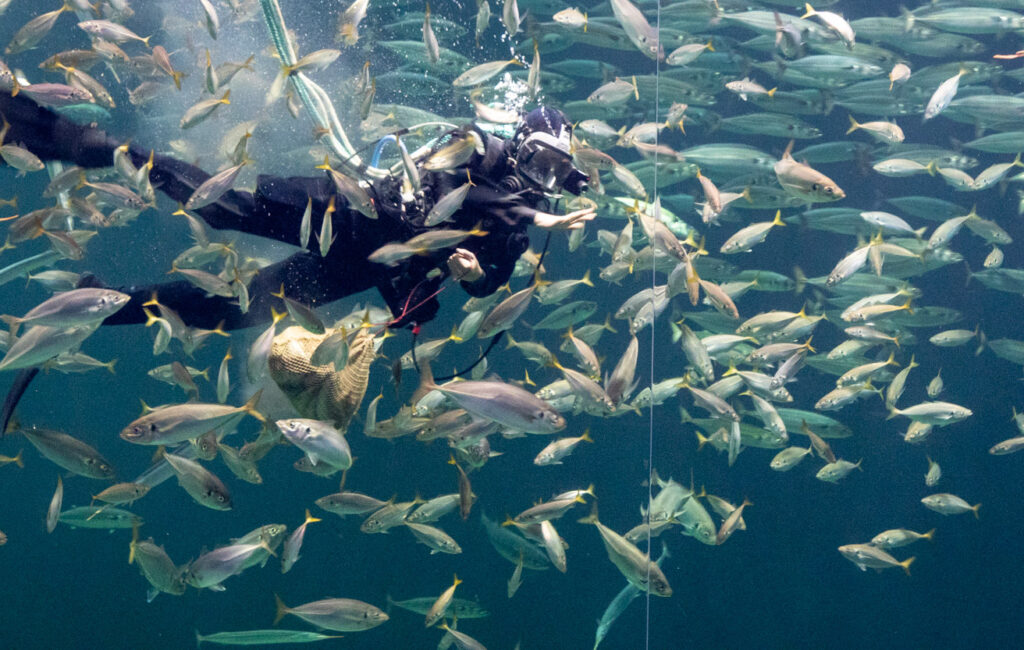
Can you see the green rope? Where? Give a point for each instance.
(314, 98)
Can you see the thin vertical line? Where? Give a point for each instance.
(650, 433)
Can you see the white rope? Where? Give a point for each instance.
(650, 433)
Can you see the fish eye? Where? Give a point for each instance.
(815, 187)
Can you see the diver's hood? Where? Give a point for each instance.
(543, 146)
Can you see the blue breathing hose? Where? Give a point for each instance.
(375, 161)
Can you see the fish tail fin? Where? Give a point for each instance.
(908, 19)
(250, 406)
(975, 509)
(800, 279)
(219, 330)
(282, 609)
(788, 153)
(906, 564)
(930, 535)
(134, 543)
(426, 381)
(585, 438)
(592, 517)
(608, 324)
(454, 336)
(586, 279)
(17, 460)
(701, 440)
(854, 125)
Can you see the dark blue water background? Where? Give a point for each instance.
(779, 584)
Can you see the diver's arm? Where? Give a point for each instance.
(307, 278)
(571, 221)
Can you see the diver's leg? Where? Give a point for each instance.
(53, 137)
(178, 180)
(307, 278)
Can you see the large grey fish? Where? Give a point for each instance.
(212, 568)
(620, 385)
(638, 29)
(619, 604)
(85, 306)
(866, 556)
(56, 95)
(805, 182)
(319, 440)
(167, 425)
(635, 565)
(214, 187)
(70, 453)
(505, 313)
(341, 614)
(262, 637)
(42, 343)
(503, 403)
(34, 31)
(156, 567)
(203, 109)
(101, 517)
(200, 483)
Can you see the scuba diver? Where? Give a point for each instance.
(511, 183)
(512, 180)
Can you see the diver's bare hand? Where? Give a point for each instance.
(570, 221)
(464, 266)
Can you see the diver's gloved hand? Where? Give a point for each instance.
(464, 266)
(571, 221)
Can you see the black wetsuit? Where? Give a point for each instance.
(275, 211)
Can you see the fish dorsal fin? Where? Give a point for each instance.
(788, 153)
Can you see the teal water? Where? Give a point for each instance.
(778, 584)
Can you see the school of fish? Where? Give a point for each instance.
(681, 195)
